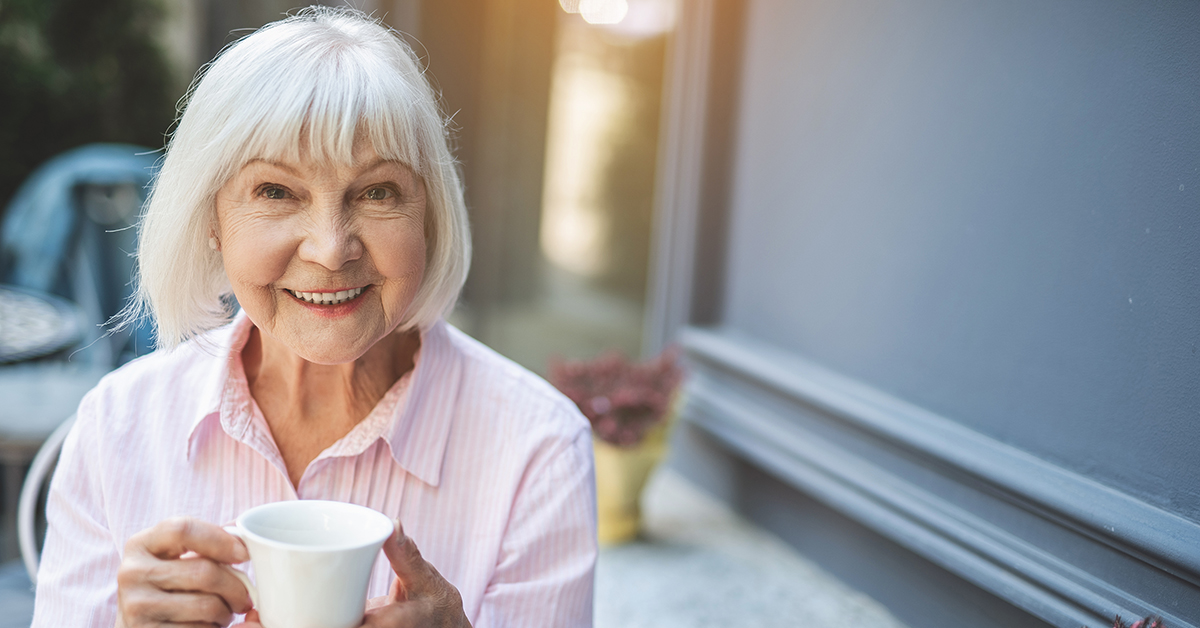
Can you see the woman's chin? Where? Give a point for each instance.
(325, 346)
(330, 352)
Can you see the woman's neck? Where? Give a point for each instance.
(310, 406)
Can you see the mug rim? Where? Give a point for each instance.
(240, 524)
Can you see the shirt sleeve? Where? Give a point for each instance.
(544, 576)
(77, 577)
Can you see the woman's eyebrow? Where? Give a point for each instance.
(383, 161)
(406, 173)
(277, 164)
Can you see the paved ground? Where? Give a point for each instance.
(701, 566)
(16, 596)
(698, 566)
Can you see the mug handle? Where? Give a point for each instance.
(236, 531)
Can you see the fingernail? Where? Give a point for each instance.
(240, 552)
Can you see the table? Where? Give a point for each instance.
(34, 324)
(35, 396)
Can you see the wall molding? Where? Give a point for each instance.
(680, 168)
(763, 427)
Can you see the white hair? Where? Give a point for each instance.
(307, 83)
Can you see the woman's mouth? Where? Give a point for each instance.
(327, 298)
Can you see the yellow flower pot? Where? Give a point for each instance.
(621, 474)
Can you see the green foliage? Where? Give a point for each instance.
(75, 72)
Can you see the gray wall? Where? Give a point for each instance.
(961, 264)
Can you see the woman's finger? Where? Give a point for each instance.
(201, 575)
(402, 615)
(421, 613)
(173, 573)
(415, 575)
(420, 595)
(174, 537)
(148, 605)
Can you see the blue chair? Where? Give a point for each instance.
(70, 231)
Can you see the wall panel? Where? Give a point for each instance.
(959, 286)
(988, 209)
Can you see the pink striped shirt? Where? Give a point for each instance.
(486, 465)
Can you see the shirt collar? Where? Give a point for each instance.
(420, 422)
(421, 427)
(224, 344)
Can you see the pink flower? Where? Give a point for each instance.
(621, 399)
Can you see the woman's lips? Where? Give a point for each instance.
(332, 297)
(330, 304)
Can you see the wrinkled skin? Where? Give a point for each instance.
(175, 574)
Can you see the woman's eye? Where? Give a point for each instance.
(378, 194)
(274, 192)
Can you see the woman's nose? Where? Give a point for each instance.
(330, 241)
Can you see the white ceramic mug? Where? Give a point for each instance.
(312, 561)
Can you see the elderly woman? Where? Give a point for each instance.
(310, 178)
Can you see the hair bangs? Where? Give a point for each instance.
(341, 97)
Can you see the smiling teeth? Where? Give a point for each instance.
(327, 298)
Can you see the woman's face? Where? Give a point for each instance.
(324, 258)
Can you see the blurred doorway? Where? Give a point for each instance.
(558, 142)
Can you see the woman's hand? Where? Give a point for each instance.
(420, 596)
(175, 573)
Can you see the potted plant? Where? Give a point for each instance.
(630, 406)
(1148, 622)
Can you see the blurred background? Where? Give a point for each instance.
(556, 125)
(934, 268)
